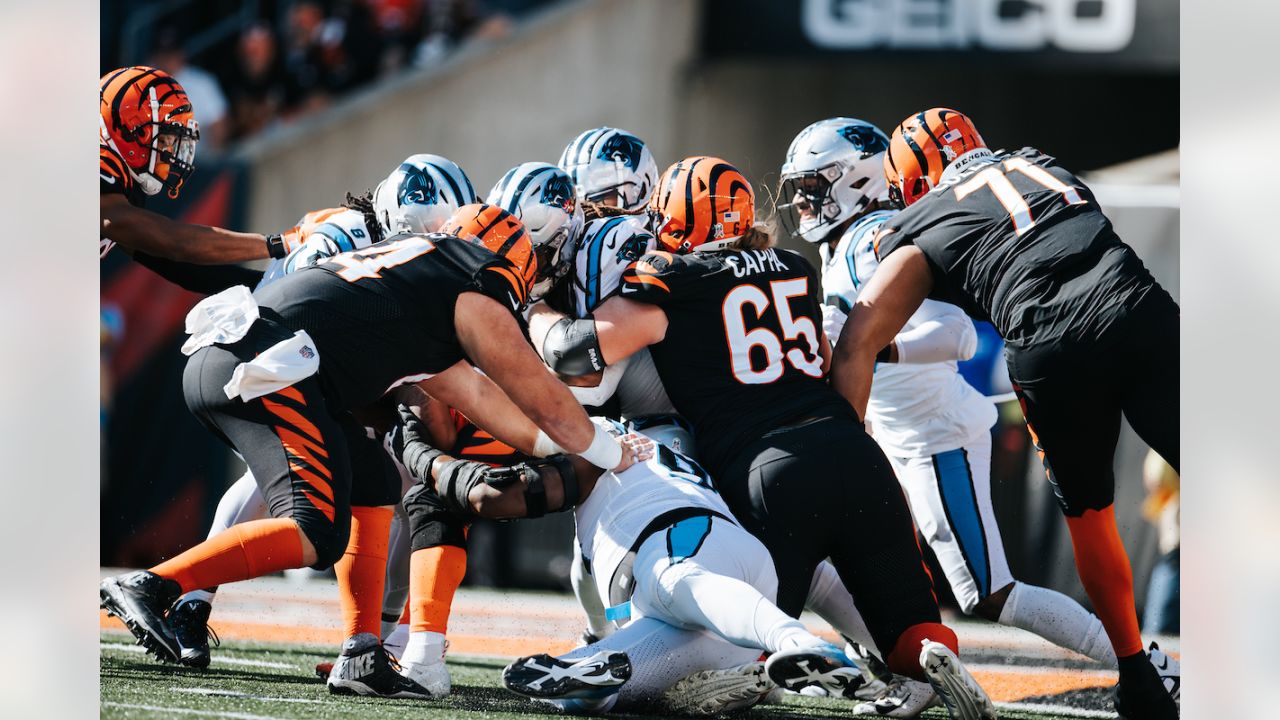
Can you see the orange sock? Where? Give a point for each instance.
(404, 616)
(1104, 571)
(434, 576)
(240, 552)
(362, 570)
(905, 657)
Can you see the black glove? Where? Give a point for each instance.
(409, 442)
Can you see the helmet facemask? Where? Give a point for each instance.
(173, 155)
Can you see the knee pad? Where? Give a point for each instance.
(535, 493)
(431, 522)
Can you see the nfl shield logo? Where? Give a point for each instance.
(306, 352)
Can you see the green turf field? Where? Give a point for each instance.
(255, 681)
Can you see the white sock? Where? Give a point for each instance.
(1058, 619)
(831, 601)
(397, 640)
(194, 595)
(425, 647)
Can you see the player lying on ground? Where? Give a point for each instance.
(1090, 335)
(933, 426)
(664, 542)
(147, 144)
(418, 196)
(277, 375)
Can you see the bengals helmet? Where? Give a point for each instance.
(703, 203)
(923, 146)
(501, 233)
(147, 120)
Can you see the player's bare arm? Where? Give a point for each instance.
(882, 308)
(484, 403)
(489, 335)
(542, 319)
(624, 327)
(139, 229)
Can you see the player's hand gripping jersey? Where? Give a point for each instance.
(319, 235)
(741, 354)
(1021, 242)
(915, 409)
(384, 316)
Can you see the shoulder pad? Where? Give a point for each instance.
(113, 176)
(648, 279)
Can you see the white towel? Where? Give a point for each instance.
(222, 318)
(277, 367)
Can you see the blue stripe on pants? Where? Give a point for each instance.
(960, 502)
(685, 538)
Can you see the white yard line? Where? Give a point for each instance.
(221, 660)
(1057, 709)
(214, 692)
(185, 711)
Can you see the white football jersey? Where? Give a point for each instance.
(324, 233)
(623, 504)
(608, 246)
(914, 410)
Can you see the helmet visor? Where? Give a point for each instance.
(808, 204)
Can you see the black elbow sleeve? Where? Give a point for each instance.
(572, 347)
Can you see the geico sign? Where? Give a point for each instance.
(1075, 25)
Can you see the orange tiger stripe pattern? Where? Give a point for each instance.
(503, 234)
(303, 447)
(702, 199)
(922, 146)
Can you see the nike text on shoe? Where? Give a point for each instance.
(140, 600)
(190, 624)
(824, 666)
(899, 698)
(544, 676)
(715, 692)
(365, 668)
(1169, 670)
(959, 692)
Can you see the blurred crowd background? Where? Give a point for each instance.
(301, 101)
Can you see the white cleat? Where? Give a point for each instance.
(434, 676)
(960, 693)
(715, 692)
(1169, 670)
(875, 674)
(900, 698)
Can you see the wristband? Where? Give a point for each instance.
(604, 452)
(543, 446)
(276, 247)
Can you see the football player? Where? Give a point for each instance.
(733, 328)
(277, 374)
(147, 145)
(417, 197)
(1014, 238)
(611, 168)
(933, 426)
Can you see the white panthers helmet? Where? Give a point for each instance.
(608, 162)
(543, 197)
(834, 170)
(420, 194)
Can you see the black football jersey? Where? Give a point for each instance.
(741, 355)
(383, 316)
(1023, 243)
(114, 179)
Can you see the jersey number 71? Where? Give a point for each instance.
(1009, 196)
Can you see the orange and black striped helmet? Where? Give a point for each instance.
(501, 233)
(922, 146)
(702, 200)
(147, 120)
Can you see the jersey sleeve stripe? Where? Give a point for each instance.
(646, 280)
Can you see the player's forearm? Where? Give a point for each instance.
(198, 244)
(851, 369)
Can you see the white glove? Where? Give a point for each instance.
(833, 319)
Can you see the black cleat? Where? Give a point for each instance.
(1141, 694)
(140, 599)
(547, 677)
(190, 624)
(365, 668)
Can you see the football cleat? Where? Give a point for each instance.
(1143, 694)
(427, 667)
(963, 697)
(547, 677)
(1169, 670)
(140, 600)
(715, 692)
(876, 676)
(823, 666)
(900, 698)
(365, 668)
(323, 669)
(190, 624)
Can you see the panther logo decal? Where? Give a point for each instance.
(622, 148)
